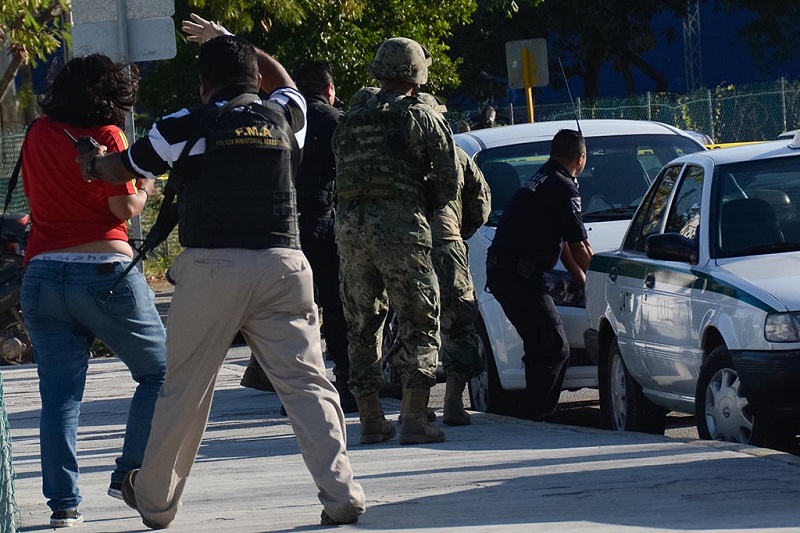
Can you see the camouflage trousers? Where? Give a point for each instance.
(462, 347)
(371, 275)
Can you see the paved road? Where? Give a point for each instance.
(499, 474)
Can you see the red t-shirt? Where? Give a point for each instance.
(67, 211)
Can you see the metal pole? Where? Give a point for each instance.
(529, 81)
(783, 102)
(711, 117)
(649, 113)
(122, 31)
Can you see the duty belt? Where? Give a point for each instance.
(524, 267)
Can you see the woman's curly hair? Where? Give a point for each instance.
(91, 91)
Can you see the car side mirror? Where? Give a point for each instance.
(671, 247)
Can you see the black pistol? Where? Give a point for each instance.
(84, 144)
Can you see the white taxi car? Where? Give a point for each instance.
(699, 310)
(624, 156)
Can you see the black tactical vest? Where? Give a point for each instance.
(244, 196)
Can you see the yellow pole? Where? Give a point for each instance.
(529, 79)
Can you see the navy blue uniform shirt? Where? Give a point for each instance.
(544, 211)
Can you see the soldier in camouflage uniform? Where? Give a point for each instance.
(462, 348)
(396, 164)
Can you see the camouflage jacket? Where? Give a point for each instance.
(462, 217)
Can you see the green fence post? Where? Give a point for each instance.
(10, 516)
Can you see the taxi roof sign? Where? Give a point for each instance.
(527, 63)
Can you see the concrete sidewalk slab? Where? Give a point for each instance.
(499, 474)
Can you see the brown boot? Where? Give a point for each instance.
(454, 413)
(415, 428)
(374, 426)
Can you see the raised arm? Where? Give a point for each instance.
(273, 75)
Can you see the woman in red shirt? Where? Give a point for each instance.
(78, 245)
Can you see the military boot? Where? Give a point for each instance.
(430, 414)
(415, 428)
(454, 413)
(374, 426)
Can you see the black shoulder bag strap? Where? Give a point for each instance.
(12, 181)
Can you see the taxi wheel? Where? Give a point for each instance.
(723, 411)
(721, 408)
(623, 405)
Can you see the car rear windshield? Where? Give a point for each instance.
(759, 209)
(619, 169)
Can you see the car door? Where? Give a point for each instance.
(667, 331)
(625, 283)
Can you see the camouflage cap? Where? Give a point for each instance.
(402, 59)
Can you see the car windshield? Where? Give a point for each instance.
(619, 169)
(758, 207)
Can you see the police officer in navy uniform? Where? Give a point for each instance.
(541, 222)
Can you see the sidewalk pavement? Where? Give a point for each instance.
(498, 474)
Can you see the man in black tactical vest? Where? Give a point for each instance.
(242, 270)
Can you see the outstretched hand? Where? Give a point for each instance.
(201, 30)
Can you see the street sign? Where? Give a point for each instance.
(148, 39)
(85, 11)
(145, 33)
(527, 63)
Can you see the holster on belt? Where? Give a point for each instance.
(524, 267)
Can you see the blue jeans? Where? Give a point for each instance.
(66, 306)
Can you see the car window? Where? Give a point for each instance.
(619, 170)
(684, 217)
(759, 207)
(506, 167)
(649, 219)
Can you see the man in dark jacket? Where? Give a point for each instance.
(316, 179)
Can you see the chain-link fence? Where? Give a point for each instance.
(10, 143)
(753, 112)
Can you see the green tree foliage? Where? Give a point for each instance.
(32, 29)
(773, 33)
(345, 33)
(586, 34)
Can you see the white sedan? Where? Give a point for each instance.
(699, 309)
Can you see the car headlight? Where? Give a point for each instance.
(562, 288)
(782, 327)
